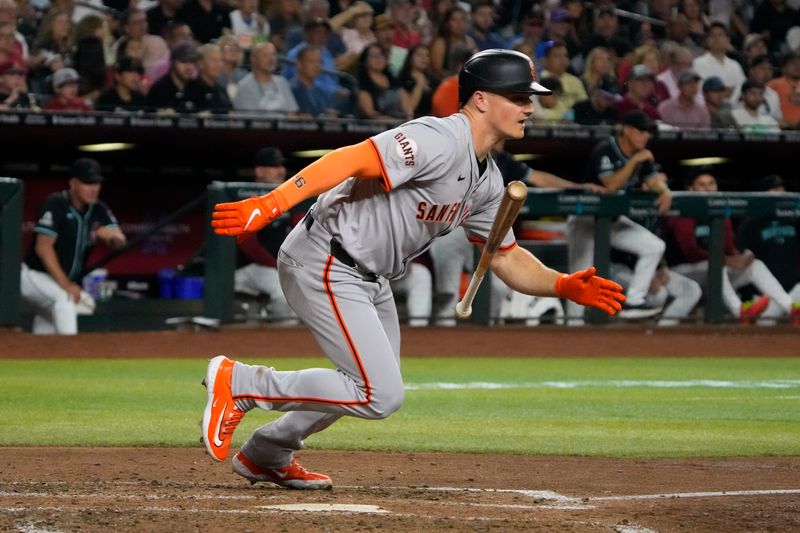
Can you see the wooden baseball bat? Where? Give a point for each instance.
(512, 201)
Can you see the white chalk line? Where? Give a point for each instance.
(778, 384)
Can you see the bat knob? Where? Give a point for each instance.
(463, 311)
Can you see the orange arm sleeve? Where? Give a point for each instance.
(360, 160)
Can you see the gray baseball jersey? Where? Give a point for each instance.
(431, 185)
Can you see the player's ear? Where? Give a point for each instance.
(480, 101)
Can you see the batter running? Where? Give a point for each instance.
(382, 202)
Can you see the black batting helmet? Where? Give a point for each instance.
(498, 70)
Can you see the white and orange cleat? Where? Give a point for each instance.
(221, 415)
(292, 476)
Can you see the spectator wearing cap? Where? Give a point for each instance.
(203, 91)
(65, 87)
(402, 14)
(551, 108)
(384, 37)
(14, 88)
(684, 111)
(788, 89)
(67, 223)
(451, 32)
(560, 30)
(776, 241)
(263, 90)
(715, 62)
(719, 108)
(749, 116)
(650, 56)
(175, 33)
(207, 18)
(761, 70)
(557, 61)
(356, 31)
(168, 94)
(248, 26)
(599, 108)
(641, 82)
(316, 11)
(607, 33)
(315, 33)
(256, 264)
(483, 16)
(773, 18)
(125, 95)
(753, 46)
(677, 59)
(311, 100)
(153, 47)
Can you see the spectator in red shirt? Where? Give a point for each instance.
(402, 12)
(640, 86)
(65, 86)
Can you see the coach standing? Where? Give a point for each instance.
(69, 222)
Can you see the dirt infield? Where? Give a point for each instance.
(50, 490)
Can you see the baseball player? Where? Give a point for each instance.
(68, 223)
(621, 163)
(382, 202)
(688, 255)
(257, 266)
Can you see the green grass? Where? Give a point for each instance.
(158, 403)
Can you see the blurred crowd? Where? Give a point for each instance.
(685, 63)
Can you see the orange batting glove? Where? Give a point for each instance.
(587, 289)
(246, 216)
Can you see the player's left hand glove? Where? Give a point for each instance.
(246, 216)
(587, 289)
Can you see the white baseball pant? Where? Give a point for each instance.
(56, 313)
(257, 279)
(417, 284)
(685, 293)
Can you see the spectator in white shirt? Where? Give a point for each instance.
(716, 63)
(749, 116)
(248, 25)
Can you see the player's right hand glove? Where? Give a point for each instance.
(585, 288)
(245, 216)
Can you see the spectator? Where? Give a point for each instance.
(416, 80)
(623, 163)
(445, 98)
(14, 88)
(640, 87)
(168, 94)
(483, 17)
(599, 108)
(384, 35)
(677, 59)
(401, 12)
(788, 89)
(451, 32)
(773, 18)
(718, 108)
(696, 19)
(91, 37)
(649, 56)
(132, 49)
(248, 26)
(560, 30)
(134, 27)
(68, 222)
(9, 13)
(532, 34)
(262, 89)
(716, 63)
(551, 108)
(357, 32)
(688, 254)
(557, 62)
(203, 91)
(318, 10)
(161, 14)
(232, 58)
(684, 111)
(761, 70)
(175, 33)
(678, 35)
(598, 66)
(380, 95)
(65, 86)
(206, 18)
(750, 117)
(606, 33)
(775, 242)
(315, 33)
(311, 100)
(124, 95)
(754, 46)
(284, 19)
(256, 264)
(51, 48)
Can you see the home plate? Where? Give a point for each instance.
(326, 508)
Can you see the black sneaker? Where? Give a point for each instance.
(635, 312)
